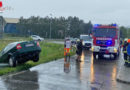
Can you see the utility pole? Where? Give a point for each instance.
(50, 24)
(1, 26)
(68, 28)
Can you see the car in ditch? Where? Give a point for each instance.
(20, 52)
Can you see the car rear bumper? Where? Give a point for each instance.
(86, 46)
(102, 53)
(25, 56)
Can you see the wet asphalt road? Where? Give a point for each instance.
(57, 75)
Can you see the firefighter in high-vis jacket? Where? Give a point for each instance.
(128, 52)
(125, 51)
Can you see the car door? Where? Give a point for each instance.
(2, 54)
(5, 52)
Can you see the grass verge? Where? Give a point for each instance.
(50, 52)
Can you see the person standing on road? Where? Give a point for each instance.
(125, 51)
(67, 47)
(79, 50)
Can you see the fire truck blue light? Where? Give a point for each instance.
(114, 24)
(98, 42)
(95, 25)
(109, 43)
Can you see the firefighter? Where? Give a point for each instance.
(125, 51)
(67, 47)
(79, 50)
(128, 52)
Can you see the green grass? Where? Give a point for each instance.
(50, 51)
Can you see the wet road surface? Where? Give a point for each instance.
(58, 75)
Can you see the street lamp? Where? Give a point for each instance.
(50, 24)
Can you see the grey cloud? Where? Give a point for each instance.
(99, 11)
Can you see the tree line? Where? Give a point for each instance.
(53, 27)
(59, 27)
(124, 32)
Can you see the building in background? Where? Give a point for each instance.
(10, 25)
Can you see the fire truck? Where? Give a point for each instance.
(106, 40)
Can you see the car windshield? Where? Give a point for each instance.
(9, 46)
(72, 39)
(87, 38)
(104, 32)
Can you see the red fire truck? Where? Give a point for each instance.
(106, 40)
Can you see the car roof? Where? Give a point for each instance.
(17, 42)
(84, 35)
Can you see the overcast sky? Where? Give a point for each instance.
(98, 11)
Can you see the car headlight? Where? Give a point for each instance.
(83, 43)
(115, 50)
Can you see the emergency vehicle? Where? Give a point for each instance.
(87, 41)
(106, 40)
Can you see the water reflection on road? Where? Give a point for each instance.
(92, 78)
(67, 66)
(27, 80)
(103, 73)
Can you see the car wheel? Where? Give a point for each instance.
(12, 62)
(39, 40)
(36, 59)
